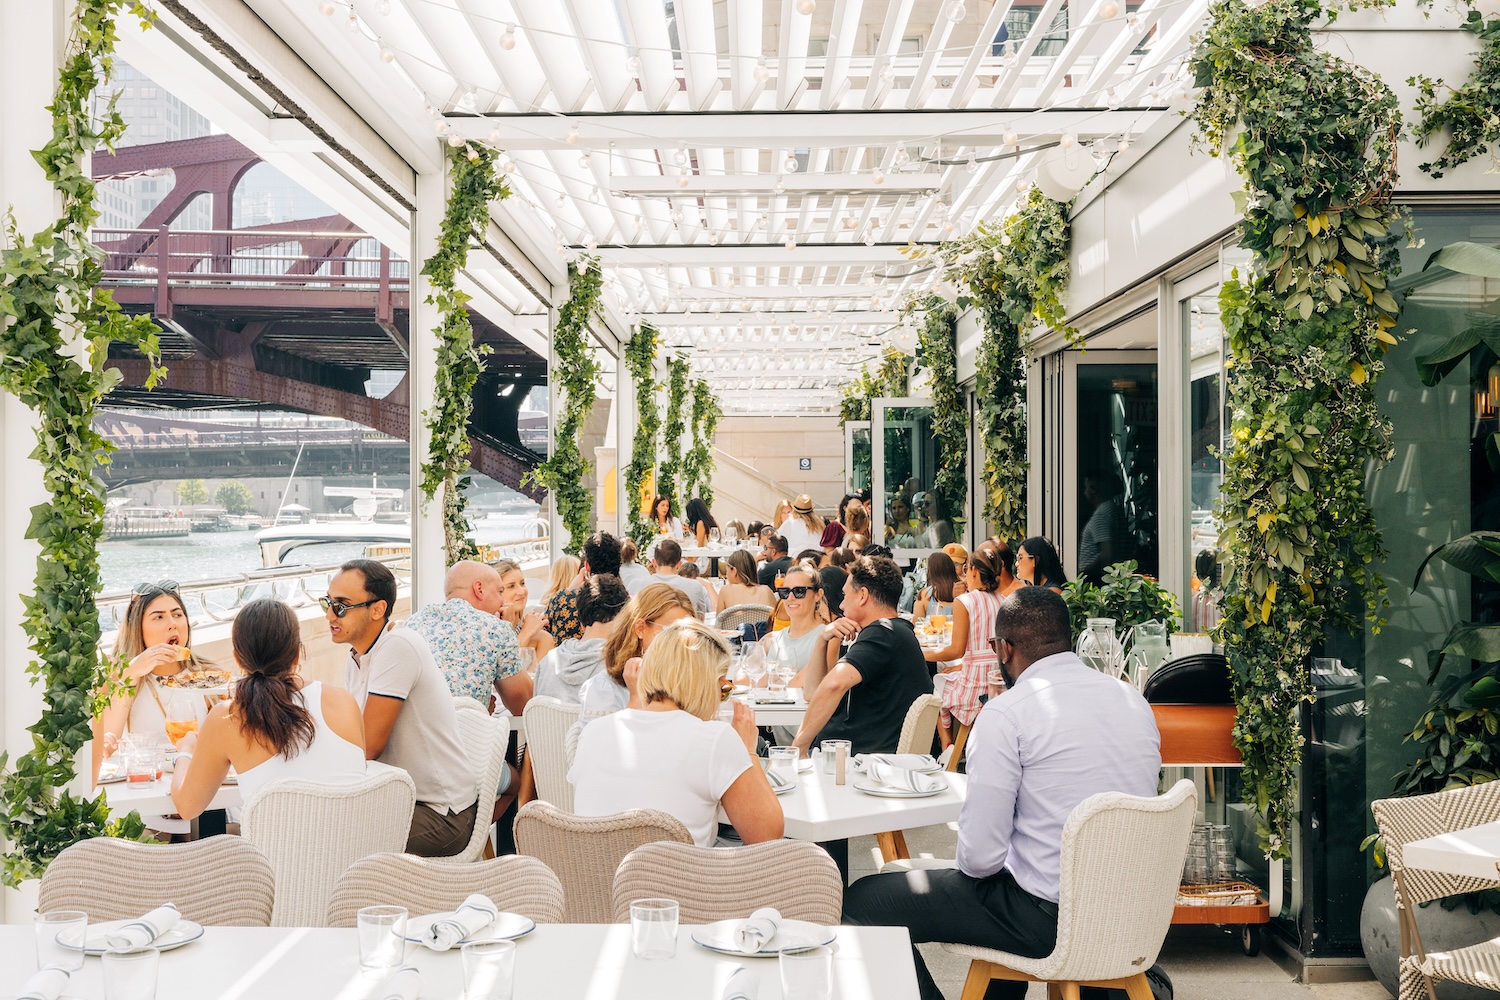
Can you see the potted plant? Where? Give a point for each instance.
(1128, 597)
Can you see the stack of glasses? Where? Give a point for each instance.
(1210, 856)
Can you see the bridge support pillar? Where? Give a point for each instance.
(428, 554)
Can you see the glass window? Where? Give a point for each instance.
(1117, 468)
(914, 515)
(1207, 422)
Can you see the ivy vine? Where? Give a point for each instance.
(474, 184)
(698, 464)
(49, 296)
(938, 344)
(1470, 113)
(677, 399)
(640, 361)
(1315, 139)
(577, 374)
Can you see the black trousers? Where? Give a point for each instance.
(947, 905)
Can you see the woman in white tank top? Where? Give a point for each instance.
(275, 727)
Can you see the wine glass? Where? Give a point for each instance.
(713, 537)
(731, 535)
(754, 667)
(181, 720)
(783, 669)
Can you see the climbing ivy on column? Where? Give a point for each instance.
(474, 183)
(1315, 139)
(577, 374)
(677, 399)
(50, 306)
(698, 464)
(640, 361)
(938, 344)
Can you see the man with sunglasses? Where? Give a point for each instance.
(410, 721)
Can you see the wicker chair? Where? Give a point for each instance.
(742, 614)
(485, 738)
(1401, 821)
(424, 885)
(311, 832)
(920, 726)
(584, 851)
(222, 881)
(547, 723)
(1121, 864)
(713, 883)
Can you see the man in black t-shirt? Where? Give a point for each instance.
(864, 697)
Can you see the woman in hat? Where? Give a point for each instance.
(803, 529)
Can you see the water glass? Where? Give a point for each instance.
(140, 765)
(382, 937)
(653, 928)
(489, 970)
(784, 759)
(130, 974)
(807, 974)
(59, 939)
(996, 685)
(831, 754)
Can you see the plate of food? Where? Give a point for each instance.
(207, 680)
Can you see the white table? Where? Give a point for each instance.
(777, 715)
(1474, 852)
(820, 811)
(556, 962)
(154, 798)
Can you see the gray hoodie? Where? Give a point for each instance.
(563, 671)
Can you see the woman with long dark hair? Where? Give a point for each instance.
(943, 585)
(275, 726)
(661, 514)
(699, 520)
(1038, 565)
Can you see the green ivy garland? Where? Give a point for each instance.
(1307, 330)
(577, 374)
(48, 293)
(640, 361)
(1471, 113)
(938, 343)
(677, 398)
(698, 464)
(474, 184)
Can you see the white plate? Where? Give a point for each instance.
(183, 932)
(791, 934)
(933, 767)
(506, 927)
(886, 792)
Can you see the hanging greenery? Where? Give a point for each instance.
(577, 375)
(640, 361)
(677, 399)
(474, 184)
(50, 304)
(698, 464)
(1471, 112)
(1315, 139)
(938, 345)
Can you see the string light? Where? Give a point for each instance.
(353, 21)
(1010, 137)
(877, 177)
(633, 66)
(1108, 10)
(762, 71)
(806, 6)
(325, 8)
(790, 163)
(956, 11)
(386, 55)
(901, 157)
(383, 8)
(972, 166)
(583, 159)
(455, 140)
(508, 40)
(1068, 140)
(494, 137)
(572, 136)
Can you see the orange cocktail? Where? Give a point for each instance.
(178, 728)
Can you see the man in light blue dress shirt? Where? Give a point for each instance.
(1060, 733)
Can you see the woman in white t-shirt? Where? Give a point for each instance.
(674, 754)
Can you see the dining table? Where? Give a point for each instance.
(1473, 852)
(553, 962)
(781, 708)
(154, 798)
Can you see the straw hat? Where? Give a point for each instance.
(803, 504)
(956, 552)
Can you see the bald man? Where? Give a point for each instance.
(475, 648)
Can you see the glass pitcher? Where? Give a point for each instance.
(1148, 649)
(1100, 648)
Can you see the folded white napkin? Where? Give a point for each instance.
(473, 915)
(909, 761)
(743, 985)
(904, 778)
(751, 935)
(404, 983)
(47, 984)
(145, 929)
(778, 779)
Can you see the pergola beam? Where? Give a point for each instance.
(765, 184)
(754, 254)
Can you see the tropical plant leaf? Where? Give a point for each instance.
(1477, 554)
(1467, 258)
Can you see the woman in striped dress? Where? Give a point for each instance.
(973, 627)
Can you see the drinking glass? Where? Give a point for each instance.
(180, 722)
(653, 928)
(755, 667)
(59, 939)
(140, 765)
(996, 684)
(731, 535)
(831, 754)
(713, 537)
(489, 970)
(779, 676)
(382, 937)
(807, 974)
(784, 759)
(130, 974)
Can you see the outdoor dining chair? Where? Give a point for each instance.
(585, 851)
(222, 881)
(485, 738)
(424, 885)
(721, 883)
(311, 831)
(742, 614)
(920, 726)
(1401, 821)
(1122, 858)
(547, 723)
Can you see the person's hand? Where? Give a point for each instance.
(744, 725)
(532, 625)
(188, 744)
(580, 578)
(841, 629)
(154, 658)
(110, 743)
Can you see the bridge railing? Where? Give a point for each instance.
(250, 257)
(126, 436)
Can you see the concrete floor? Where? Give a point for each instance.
(1205, 963)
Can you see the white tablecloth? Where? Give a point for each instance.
(819, 810)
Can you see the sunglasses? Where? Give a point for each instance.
(152, 589)
(995, 644)
(797, 592)
(340, 608)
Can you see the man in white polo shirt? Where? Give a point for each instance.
(410, 721)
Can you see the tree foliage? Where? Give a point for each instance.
(677, 401)
(233, 497)
(192, 491)
(640, 360)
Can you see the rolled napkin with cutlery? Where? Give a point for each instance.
(144, 930)
(473, 915)
(755, 933)
(904, 778)
(743, 985)
(48, 984)
(777, 779)
(909, 761)
(404, 983)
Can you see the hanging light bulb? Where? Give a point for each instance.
(441, 126)
(762, 72)
(877, 177)
(583, 159)
(1108, 10)
(713, 239)
(572, 136)
(508, 40)
(1021, 185)
(633, 65)
(901, 156)
(1011, 139)
(593, 245)
(869, 238)
(972, 166)
(1123, 145)
(790, 163)
(681, 156)
(353, 21)
(887, 72)
(1133, 21)
(806, 6)
(325, 8)
(682, 180)
(383, 8)
(1004, 240)
(778, 187)
(677, 215)
(455, 140)
(386, 55)
(1067, 140)
(956, 11)
(493, 138)
(791, 243)
(998, 257)
(510, 166)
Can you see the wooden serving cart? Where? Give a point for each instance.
(1199, 736)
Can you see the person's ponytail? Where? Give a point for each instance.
(266, 639)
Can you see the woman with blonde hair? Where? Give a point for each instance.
(653, 609)
(564, 573)
(742, 585)
(531, 626)
(780, 514)
(672, 753)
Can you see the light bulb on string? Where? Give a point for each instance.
(326, 9)
(806, 6)
(1005, 239)
(682, 180)
(633, 66)
(681, 156)
(1010, 137)
(791, 243)
(901, 156)
(1067, 140)
(877, 177)
(972, 166)
(455, 140)
(956, 11)
(583, 159)
(1022, 185)
(1108, 10)
(353, 21)
(779, 187)
(790, 163)
(1132, 21)
(572, 137)
(493, 138)
(1123, 145)
(386, 55)
(869, 238)
(508, 39)
(887, 72)
(383, 8)
(762, 72)
(510, 166)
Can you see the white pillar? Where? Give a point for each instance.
(32, 38)
(625, 424)
(428, 555)
(558, 533)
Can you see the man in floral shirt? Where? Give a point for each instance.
(476, 650)
(601, 557)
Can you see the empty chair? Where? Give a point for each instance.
(485, 738)
(424, 885)
(920, 726)
(222, 880)
(1122, 861)
(742, 614)
(584, 851)
(1401, 821)
(547, 723)
(311, 832)
(721, 883)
